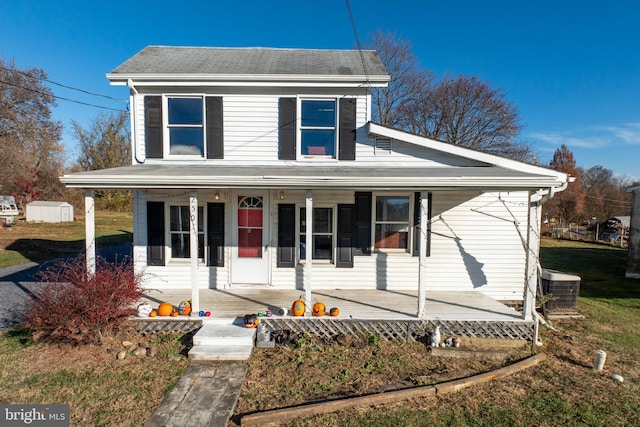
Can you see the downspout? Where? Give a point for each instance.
(132, 114)
(544, 197)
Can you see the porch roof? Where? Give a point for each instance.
(189, 176)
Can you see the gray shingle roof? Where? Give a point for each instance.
(252, 61)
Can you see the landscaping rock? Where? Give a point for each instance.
(121, 355)
(126, 344)
(152, 351)
(140, 351)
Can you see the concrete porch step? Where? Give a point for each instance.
(222, 342)
(215, 334)
(220, 352)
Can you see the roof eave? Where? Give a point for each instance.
(168, 79)
(276, 182)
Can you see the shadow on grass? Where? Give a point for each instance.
(601, 270)
(40, 249)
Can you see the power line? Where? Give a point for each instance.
(358, 45)
(62, 98)
(65, 86)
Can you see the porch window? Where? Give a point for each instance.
(185, 125)
(318, 127)
(180, 237)
(392, 222)
(322, 237)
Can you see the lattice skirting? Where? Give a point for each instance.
(165, 326)
(329, 328)
(402, 330)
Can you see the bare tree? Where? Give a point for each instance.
(606, 193)
(461, 110)
(408, 81)
(31, 155)
(467, 112)
(104, 144)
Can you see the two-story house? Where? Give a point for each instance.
(261, 167)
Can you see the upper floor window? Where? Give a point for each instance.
(318, 128)
(392, 222)
(185, 126)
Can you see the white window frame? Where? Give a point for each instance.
(166, 126)
(168, 232)
(409, 222)
(301, 128)
(334, 232)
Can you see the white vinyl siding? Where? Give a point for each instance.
(489, 251)
(173, 275)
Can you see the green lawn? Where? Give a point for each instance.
(26, 242)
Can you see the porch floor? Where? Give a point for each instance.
(355, 304)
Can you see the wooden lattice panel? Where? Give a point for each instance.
(165, 326)
(399, 330)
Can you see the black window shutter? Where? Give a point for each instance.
(215, 142)
(155, 233)
(362, 224)
(287, 129)
(215, 233)
(347, 129)
(345, 248)
(153, 126)
(286, 235)
(417, 226)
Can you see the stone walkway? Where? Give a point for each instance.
(205, 395)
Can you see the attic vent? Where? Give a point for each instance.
(383, 146)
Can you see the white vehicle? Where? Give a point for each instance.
(8, 209)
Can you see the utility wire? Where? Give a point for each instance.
(358, 45)
(65, 86)
(62, 98)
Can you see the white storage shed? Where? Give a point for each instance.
(41, 211)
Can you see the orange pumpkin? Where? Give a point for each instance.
(318, 309)
(165, 309)
(298, 307)
(153, 313)
(174, 313)
(335, 311)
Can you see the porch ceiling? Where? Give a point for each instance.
(159, 176)
(356, 304)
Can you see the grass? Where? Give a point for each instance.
(26, 242)
(99, 389)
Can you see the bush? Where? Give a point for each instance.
(72, 306)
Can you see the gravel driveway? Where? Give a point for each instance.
(18, 282)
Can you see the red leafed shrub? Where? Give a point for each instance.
(72, 306)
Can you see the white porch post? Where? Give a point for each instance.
(90, 232)
(308, 251)
(193, 240)
(533, 249)
(422, 258)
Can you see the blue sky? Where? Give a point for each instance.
(571, 68)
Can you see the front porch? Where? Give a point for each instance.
(353, 304)
(389, 314)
